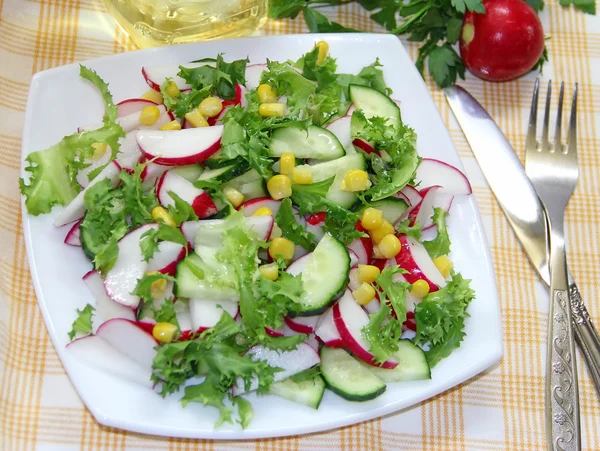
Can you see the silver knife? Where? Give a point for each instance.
(519, 202)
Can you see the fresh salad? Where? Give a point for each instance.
(257, 227)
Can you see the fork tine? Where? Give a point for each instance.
(558, 147)
(572, 134)
(531, 142)
(546, 126)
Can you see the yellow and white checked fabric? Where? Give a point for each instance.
(500, 410)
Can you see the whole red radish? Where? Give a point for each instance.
(504, 43)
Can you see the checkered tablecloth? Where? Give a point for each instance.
(499, 410)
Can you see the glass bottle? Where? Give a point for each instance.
(150, 23)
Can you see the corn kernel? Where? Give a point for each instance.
(443, 264)
(263, 211)
(420, 288)
(367, 273)
(282, 248)
(384, 229)
(323, 50)
(279, 186)
(271, 109)
(287, 163)
(356, 180)
(269, 271)
(234, 196)
(164, 332)
(266, 94)
(149, 115)
(371, 218)
(158, 288)
(276, 231)
(302, 175)
(153, 96)
(389, 245)
(160, 214)
(210, 107)
(99, 150)
(172, 89)
(173, 125)
(364, 294)
(196, 119)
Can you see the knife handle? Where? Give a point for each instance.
(586, 335)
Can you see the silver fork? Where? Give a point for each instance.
(554, 172)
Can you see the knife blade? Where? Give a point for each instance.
(521, 206)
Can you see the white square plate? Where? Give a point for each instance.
(60, 101)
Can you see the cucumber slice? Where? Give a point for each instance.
(190, 172)
(392, 208)
(308, 392)
(314, 142)
(191, 282)
(324, 275)
(347, 377)
(412, 364)
(250, 184)
(338, 168)
(375, 103)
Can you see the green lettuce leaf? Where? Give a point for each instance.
(83, 323)
(52, 172)
(371, 76)
(440, 245)
(440, 318)
(413, 231)
(223, 76)
(143, 288)
(185, 101)
(291, 230)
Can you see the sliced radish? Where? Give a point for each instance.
(130, 266)
(353, 280)
(410, 195)
(73, 237)
(128, 106)
(200, 200)
(372, 307)
(189, 230)
(165, 259)
(354, 259)
(129, 152)
(326, 331)
(274, 332)
(362, 247)
(156, 75)
(106, 308)
(341, 129)
(433, 172)
(180, 147)
(433, 197)
(364, 146)
(240, 95)
(291, 362)
(350, 319)
(151, 173)
(83, 176)
(315, 223)
(130, 122)
(76, 208)
(303, 324)
(127, 337)
(205, 313)
(253, 75)
(100, 354)
(413, 257)
(251, 206)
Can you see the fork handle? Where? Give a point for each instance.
(586, 335)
